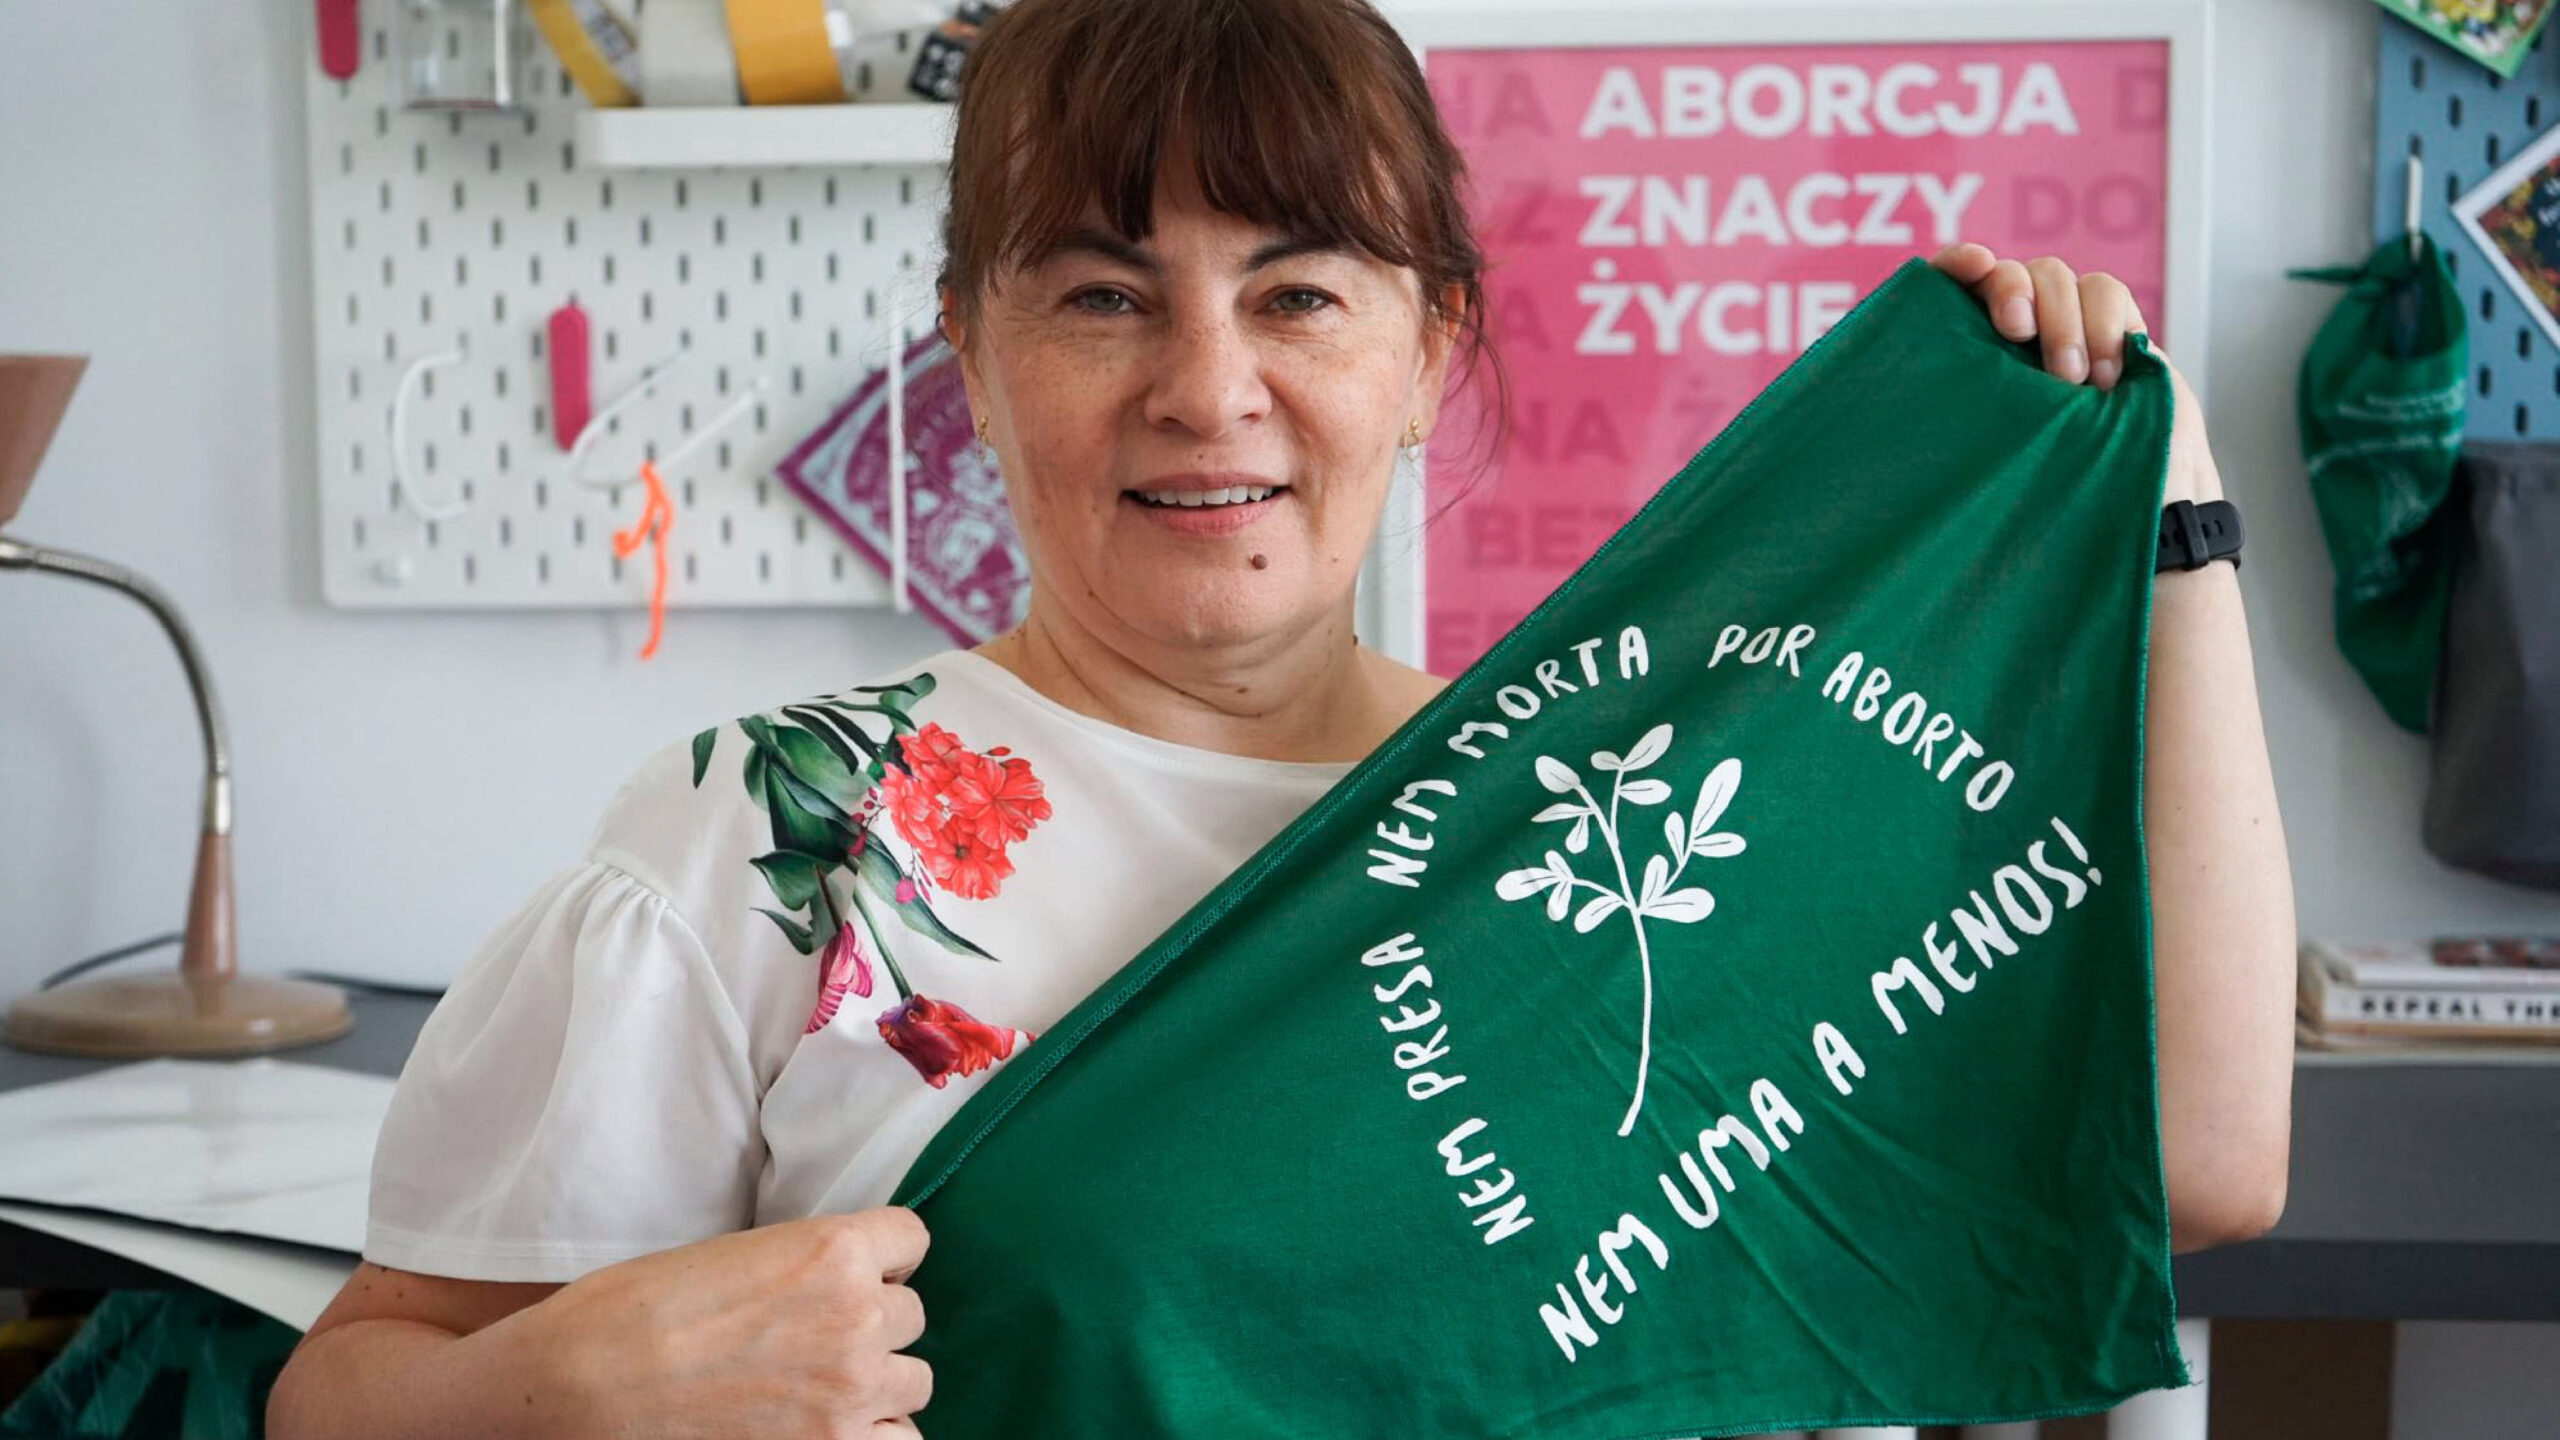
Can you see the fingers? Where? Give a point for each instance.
(898, 1237)
(2080, 321)
(901, 1317)
(906, 1386)
(2058, 321)
(2108, 313)
(2009, 293)
(1965, 262)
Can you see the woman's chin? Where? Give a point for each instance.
(1211, 611)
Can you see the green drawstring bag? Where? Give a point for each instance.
(1726, 1007)
(2380, 404)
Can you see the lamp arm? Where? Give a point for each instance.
(207, 957)
(19, 555)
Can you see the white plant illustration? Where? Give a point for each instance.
(1690, 837)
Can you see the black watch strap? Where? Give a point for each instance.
(2193, 536)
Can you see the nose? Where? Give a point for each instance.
(1208, 375)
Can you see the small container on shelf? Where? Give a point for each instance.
(461, 54)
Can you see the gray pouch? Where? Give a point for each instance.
(2493, 798)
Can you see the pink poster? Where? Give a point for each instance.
(1668, 228)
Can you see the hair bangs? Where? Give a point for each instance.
(1254, 96)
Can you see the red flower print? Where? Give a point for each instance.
(1003, 798)
(961, 810)
(843, 966)
(942, 1040)
(973, 869)
(932, 752)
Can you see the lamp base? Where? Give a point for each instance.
(141, 1016)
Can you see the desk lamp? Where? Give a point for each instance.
(205, 1007)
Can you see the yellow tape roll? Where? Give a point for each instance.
(785, 56)
(595, 47)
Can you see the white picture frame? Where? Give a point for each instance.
(2485, 196)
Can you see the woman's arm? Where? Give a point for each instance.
(2221, 895)
(398, 1355)
(790, 1331)
(2221, 902)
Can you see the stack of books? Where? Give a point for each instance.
(2501, 991)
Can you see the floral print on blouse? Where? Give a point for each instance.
(795, 945)
(827, 772)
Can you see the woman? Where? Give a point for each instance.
(1207, 269)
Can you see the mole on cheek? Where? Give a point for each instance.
(1260, 563)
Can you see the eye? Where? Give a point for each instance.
(1115, 302)
(1300, 300)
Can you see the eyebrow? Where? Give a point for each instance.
(1109, 246)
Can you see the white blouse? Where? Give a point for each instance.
(774, 978)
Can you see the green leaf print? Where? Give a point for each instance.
(793, 876)
(817, 765)
(880, 874)
(801, 937)
(702, 744)
(803, 819)
(857, 750)
(901, 696)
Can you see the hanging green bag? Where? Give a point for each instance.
(2380, 404)
(1727, 1007)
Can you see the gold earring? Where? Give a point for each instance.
(982, 431)
(1413, 433)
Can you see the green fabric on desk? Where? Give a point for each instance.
(158, 1365)
(1385, 1138)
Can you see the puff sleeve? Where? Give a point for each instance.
(582, 1095)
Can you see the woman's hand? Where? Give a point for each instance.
(2081, 322)
(789, 1330)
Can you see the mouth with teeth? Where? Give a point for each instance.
(1210, 512)
(1205, 499)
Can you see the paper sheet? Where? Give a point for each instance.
(290, 1282)
(264, 1147)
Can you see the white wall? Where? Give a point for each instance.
(405, 778)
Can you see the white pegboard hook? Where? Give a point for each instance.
(711, 428)
(897, 441)
(595, 426)
(404, 485)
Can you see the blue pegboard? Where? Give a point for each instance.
(2462, 122)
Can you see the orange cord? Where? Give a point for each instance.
(656, 518)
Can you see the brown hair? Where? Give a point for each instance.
(1307, 116)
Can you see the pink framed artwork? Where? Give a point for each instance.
(1677, 203)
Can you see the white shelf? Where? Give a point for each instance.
(764, 137)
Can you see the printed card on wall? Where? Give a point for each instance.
(2514, 217)
(1670, 227)
(2497, 33)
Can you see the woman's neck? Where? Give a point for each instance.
(1318, 696)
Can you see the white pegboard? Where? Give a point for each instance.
(436, 231)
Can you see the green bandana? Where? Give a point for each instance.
(2380, 402)
(1727, 1007)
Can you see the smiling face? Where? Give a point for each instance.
(1197, 429)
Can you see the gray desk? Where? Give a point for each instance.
(386, 1026)
(2419, 1191)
